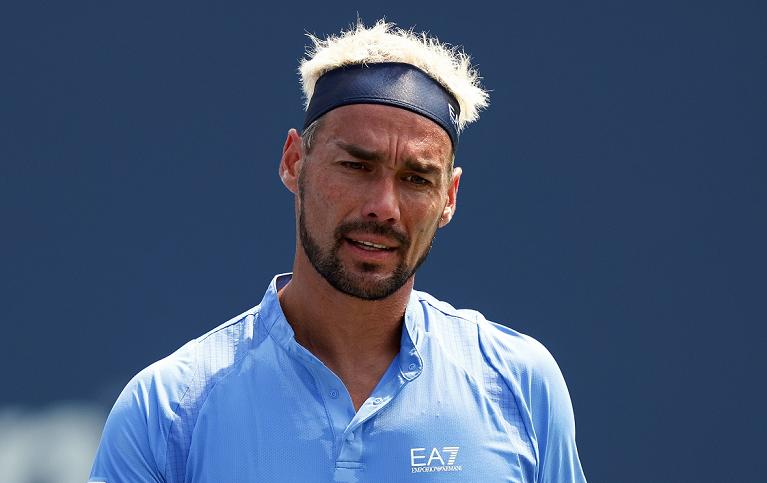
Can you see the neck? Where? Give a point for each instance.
(357, 339)
(337, 327)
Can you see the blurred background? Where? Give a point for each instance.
(612, 206)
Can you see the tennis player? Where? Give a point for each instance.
(344, 372)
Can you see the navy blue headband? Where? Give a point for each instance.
(391, 83)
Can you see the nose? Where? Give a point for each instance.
(381, 201)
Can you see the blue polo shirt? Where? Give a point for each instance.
(465, 400)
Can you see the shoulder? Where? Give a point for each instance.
(524, 364)
(530, 373)
(157, 408)
(197, 361)
(514, 348)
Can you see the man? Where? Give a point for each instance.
(344, 372)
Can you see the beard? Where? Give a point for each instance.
(329, 266)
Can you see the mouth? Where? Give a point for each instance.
(370, 246)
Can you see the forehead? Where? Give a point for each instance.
(386, 129)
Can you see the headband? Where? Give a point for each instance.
(391, 83)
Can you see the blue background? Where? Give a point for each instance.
(612, 203)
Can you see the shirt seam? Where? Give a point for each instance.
(255, 312)
(279, 344)
(513, 395)
(176, 418)
(448, 314)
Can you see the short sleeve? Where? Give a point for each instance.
(134, 442)
(544, 403)
(554, 423)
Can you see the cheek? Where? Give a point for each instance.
(322, 198)
(430, 217)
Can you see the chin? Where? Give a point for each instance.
(368, 286)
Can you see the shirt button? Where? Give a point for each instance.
(333, 394)
(377, 401)
(350, 437)
(412, 366)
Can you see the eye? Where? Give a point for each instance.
(417, 180)
(353, 165)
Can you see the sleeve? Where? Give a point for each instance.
(554, 423)
(134, 442)
(543, 399)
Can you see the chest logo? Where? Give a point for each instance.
(430, 460)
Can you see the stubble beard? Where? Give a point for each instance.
(328, 264)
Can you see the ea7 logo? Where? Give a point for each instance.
(424, 460)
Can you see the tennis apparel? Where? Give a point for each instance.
(465, 400)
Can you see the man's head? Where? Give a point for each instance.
(373, 172)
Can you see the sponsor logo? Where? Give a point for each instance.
(453, 115)
(432, 460)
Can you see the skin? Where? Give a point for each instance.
(383, 173)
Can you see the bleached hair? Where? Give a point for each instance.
(384, 42)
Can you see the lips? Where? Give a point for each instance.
(371, 240)
(369, 245)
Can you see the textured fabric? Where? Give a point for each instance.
(390, 83)
(465, 400)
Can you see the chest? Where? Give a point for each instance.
(298, 429)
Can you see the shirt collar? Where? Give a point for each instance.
(410, 361)
(272, 319)
(273, 322)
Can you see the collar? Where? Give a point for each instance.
(273, 322)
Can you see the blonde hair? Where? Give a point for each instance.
(384, 42)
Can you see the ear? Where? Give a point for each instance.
(290, 163)
(452, 197)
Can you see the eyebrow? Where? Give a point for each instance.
(422, 168)
(359, 152)
(367, 155)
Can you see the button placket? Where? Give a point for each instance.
(390, 385)
(351, 449)
(338, 404)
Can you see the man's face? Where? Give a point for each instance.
(372, 191)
